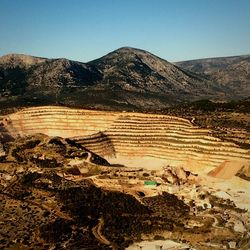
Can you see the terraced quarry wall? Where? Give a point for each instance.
(132, 139)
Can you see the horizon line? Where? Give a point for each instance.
(67, 58)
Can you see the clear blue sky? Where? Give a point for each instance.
(87, 29)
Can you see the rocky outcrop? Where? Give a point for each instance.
(131, 139)
(178, 176)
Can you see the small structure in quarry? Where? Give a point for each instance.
(150, 184)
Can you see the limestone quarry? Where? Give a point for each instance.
(133, 139)
(87, 179)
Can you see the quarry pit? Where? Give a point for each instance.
(167, 180)
(133, 139)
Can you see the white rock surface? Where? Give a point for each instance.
(158, 245)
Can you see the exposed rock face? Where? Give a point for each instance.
(126, 78)
(178, 176)
(131, 138)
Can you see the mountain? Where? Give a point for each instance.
(24, 73)
(125, 79)
(137, 70)
(232, 72)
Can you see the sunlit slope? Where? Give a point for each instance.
(132, 139)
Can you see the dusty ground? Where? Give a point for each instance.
(219, 209)
(54, 196)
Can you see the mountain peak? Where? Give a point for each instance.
(139, 70)
(129, 49)
(20, 60)
(128, 54)
(134, 51)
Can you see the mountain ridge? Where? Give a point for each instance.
(213, 58)
(233, 72)
(128, 48)
(126, 78)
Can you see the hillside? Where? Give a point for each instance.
(125, 79)
(137, 70)
(233, 72)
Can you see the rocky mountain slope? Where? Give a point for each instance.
(233, 72)
(126, 78)
(137, 70)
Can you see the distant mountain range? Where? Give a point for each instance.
(125, 79)
(233, 72)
